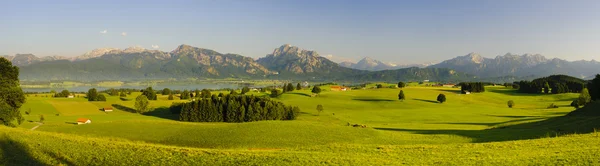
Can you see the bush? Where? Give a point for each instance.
(101, 98)
(511, 104)
(441, 98)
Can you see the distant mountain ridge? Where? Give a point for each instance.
(519, 65)
(371, 64)
(285, 62)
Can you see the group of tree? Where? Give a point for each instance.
(63, 93)
(594, 88)
(149, 93)
(555, 84)
(185, 95)
(93, 95)
(234, 108)
(11, 94)
(288, 87)
(473, 87)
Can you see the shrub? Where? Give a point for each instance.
(101, 98)
(511, 104)
(441, 98)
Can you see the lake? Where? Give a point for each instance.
(155, 87)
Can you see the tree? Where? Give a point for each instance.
(298, 87)
(316, 90)
(401, 95)
(379, 86)
(274, 93)
(11, 95)
(198, 93)
(63, 93)
(184, 95)
(511, 104)
(205, 93)
(123, 94)
(594, 88)
(285, 88)
(546, 88)
(170, 97)
(441, 98)
(166, 91)
(141, 104)
(319, 108)
(584, 97)
(42, 118)
(290, 87)
(401, 84)
(92, 94)
(113, 92)
(232, 92)
(245, 90)
(101, 97)
(149, 93)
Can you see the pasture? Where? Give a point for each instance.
(475, 126)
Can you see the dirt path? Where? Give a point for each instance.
(39, 124)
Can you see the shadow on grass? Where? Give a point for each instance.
(496, 123)
(579, 123)
(301, 94)
(124, 99)
(429, 101)
(450, 90)
(123, 108)
(372, 99)
(160, 112)
(73, 123)
(513, 92)
(511, 116)
(16, 153)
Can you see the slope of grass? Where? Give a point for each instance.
(23, 147)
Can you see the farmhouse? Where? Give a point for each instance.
(108, 109)
(339, 88)
(70, 96)
(83, 121)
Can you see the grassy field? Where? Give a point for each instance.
(475, 128)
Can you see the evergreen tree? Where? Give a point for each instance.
(290, 87)
(245, 90)
(274, 93)
(285, 88)
(401, 96)
(594, 88)
(298, 87)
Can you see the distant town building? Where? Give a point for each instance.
(339, 88)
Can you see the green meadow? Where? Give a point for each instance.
(467, 129)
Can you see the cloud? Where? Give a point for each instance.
(155, 46)
(104, 31)
(123, 33)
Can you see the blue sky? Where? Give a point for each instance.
(394, 31)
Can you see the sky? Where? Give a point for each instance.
(399, 31)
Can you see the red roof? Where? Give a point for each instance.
(82, 120)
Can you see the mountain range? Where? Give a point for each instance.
(519, 65)
(371, 64)
(285, 62)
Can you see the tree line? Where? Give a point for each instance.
(555, 84)
(473, 87)
(234, 108)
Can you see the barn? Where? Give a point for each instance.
(108, 109)
(83, 121)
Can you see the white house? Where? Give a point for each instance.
(83, 121)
